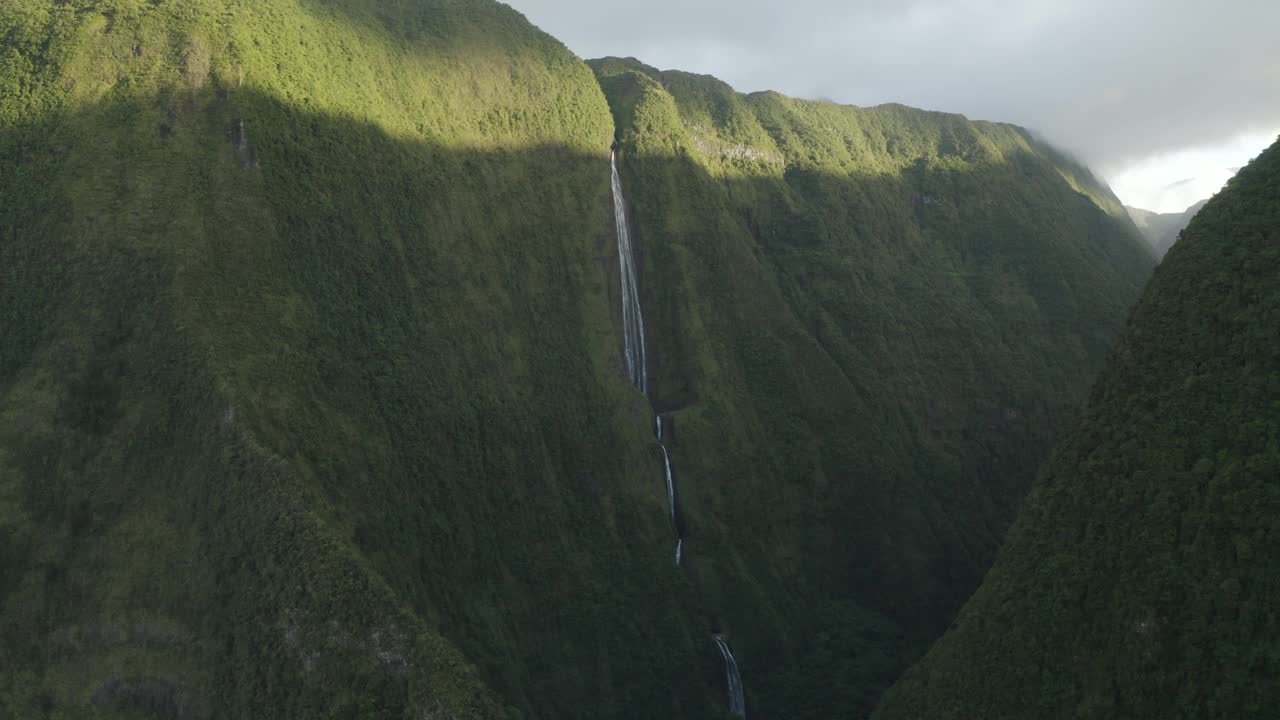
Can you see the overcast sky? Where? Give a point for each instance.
(1151, 93)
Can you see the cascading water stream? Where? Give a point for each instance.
(637, 371)
(633, 329)
(737, 702)
(632, 319)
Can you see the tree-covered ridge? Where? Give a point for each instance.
(734, 133)
(870, 325)
(1140, 579)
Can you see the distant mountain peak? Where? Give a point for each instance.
(1161, 229)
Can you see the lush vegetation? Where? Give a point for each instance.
(311, 399)
(1140, 581)
(870, 325)
(1162, 229)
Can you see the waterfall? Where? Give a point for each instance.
(737, 703)
(633, 329)
(632, 320)
(638, 373)
(671, 491)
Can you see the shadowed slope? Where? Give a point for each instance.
(309, 395)
(1140, 580)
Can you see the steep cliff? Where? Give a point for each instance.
(870, 325)
(1140, 580)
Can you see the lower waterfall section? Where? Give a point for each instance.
(671, 491)
(733, 681)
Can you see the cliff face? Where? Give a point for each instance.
(871, 325)
(308, 390)
(1139, 580)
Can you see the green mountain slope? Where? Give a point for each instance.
(309, 391)
(869, 325)
(1140, 580)
(1162, 229)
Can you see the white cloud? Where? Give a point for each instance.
(1172, 182)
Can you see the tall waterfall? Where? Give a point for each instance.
(633, 330)
(632, 320)
(637, 371)
(737, 702)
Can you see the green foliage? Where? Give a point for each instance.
(1140, 579)
(309, 397)
(869, 325)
